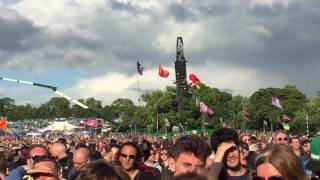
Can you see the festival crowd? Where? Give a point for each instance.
(223, 155)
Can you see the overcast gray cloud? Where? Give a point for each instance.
(273, 38)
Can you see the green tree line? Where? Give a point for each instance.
(160, 105)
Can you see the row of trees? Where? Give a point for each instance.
(159, 106)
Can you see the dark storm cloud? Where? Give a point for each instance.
(181, 12)
(17, 33)
(124, 6)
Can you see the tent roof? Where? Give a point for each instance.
(60, 126)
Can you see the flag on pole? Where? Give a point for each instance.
(139, 68)
(205, 109)
(285, 117)
(163, 72)
(194, 81)
(265, 123)
(276, 102)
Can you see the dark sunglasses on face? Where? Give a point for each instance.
(270, 178)
(37, 158)
(282, 139)
(126, 156)
(37, 175)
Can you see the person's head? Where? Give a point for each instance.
(280, 137)
(164, 154)
(296, 144)
(45, 168)
(81, 157)
(58, 150)
(101, 170)
(80, 145)
(279, 160)
(263, 142)
(306, 147)
(36, 151)
(244, 151)
(232, 155)
(92, 148)
(194, 176)
(188, 154)
(154, 155)
(246, 138)
(129, 154)
(62, 141)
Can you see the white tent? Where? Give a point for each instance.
(59, 126)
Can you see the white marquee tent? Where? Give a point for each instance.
(59, 126)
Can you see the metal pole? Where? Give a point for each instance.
(203, 126)
(307, 121)
(157, 120)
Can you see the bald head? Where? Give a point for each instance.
(81, 157)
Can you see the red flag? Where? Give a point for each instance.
(286, 117)
(195, 81)
(163, 72)
(3, 123)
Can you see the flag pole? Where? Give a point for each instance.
(139, 93)
(203, 127)
(157, 105)
(139, 99)
(307, 122)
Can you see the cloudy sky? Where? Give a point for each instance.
(89, 48)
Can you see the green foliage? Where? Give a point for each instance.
(160, 105)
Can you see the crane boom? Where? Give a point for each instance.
(54, 89)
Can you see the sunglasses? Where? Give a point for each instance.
(283, 139)
(128, 156)
(270, 178)
(37, 175)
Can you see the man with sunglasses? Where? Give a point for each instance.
(129, 157)
(280, 137)
(45, 168)
(227, 165)
(35, 152)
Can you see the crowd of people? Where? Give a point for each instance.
(223, 155)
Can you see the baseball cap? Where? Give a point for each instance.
(314, 162)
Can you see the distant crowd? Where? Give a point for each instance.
(223, 155)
